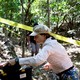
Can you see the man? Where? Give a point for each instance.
(32, 45)
(52, 52)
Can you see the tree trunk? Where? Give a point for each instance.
(23, 31)
(48, 8)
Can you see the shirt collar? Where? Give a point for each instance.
(47, 41)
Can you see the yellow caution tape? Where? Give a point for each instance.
(15, 24)
(65, 39)
(22, 26)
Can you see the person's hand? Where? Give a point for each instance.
(10, 65)
(2, 64)
(9, 62)
(12, 62)
(47, 66)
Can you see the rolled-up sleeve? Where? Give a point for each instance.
(40, 58)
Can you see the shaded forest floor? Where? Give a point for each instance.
(9, 50)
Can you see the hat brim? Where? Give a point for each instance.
(33, 34)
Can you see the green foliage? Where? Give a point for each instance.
(8, 8)
(61, 11)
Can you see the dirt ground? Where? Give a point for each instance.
(8, 51)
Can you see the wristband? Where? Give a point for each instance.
(17, 63)
(17, 60)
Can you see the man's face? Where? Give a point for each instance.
(40, 38)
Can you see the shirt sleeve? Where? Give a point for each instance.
(39, 59)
